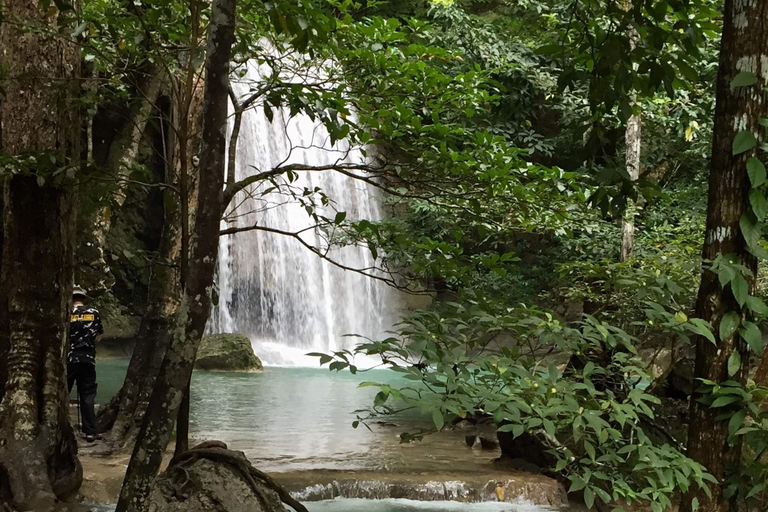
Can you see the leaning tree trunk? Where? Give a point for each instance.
(124, 413)
(744, 48)
(126, 410)
(196, 300)
(38, 451)
(121, 159)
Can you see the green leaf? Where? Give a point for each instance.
(380, 399)
(324, 358)
(589, 497)
(759, 204)
(744, 141)
(728, 325)
(561, 464)
(589, 449)
(755, 490)
(722, 401)
(756, 171)
(740, 289)
(577, 485)
(743, 79)
(734, 364)
(736, 421)
(750, 229)
(757, 306)
(754, 338)
(549, 427)
(437, 419)
(702, 327)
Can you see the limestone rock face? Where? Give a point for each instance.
(204, 485)
(227, 352)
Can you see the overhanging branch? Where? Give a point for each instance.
(322, 255)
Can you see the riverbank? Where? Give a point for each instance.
(103, 475)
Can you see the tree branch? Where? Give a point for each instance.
(324, 256)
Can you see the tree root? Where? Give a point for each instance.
(218, 452)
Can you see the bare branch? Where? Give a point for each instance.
(324, 256)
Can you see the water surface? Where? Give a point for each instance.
(294, 418)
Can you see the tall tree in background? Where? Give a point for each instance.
(195, 306)
(731, 230)
(632, 145)
(39, 142)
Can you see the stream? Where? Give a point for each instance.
(295, 422)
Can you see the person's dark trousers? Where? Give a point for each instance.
(85, 376)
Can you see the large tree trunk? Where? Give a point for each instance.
(196, 299)
(743, 49)
(38, 452)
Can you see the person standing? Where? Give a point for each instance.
(84, 328)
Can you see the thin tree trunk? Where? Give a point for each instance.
(196, 300)
(744, 48)
(38, 452)
(182, 422)
(632, 143)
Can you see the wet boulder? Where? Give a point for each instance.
(228, 353)
(210, 477)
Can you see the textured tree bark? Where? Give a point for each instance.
(761, 374)
(195, 306)
(38, 452)
(632, 143)
(744, 48)
(155, 327)
(124, 414)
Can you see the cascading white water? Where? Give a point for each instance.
(271, 288)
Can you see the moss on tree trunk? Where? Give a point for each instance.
(38, 458)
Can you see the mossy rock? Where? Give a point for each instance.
(227, 353)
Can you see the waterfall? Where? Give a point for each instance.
(271, 288)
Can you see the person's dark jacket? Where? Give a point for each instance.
(84, 327)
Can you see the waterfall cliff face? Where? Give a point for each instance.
(286, 299)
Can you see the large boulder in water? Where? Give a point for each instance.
(213, 478)
(227, 352)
